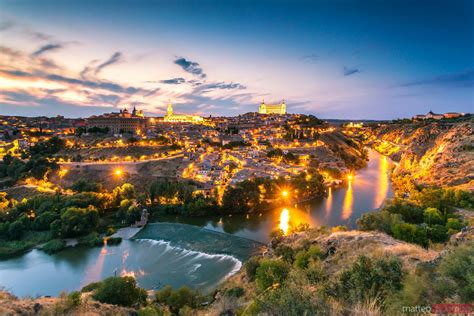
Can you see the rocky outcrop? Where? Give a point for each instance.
(435, 153)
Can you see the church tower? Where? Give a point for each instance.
(263, 108)
(169, 111)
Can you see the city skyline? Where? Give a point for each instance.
(343, 59)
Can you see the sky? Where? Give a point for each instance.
(333, 59)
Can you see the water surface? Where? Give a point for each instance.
(367, 190)
(198, 255)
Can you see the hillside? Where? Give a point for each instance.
(433, 153)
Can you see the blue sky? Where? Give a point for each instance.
(333, 59)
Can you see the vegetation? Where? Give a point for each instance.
(121, 291)
(177, 300)
(53, 246)
(425, 218)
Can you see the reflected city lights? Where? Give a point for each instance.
(348, 199)
(383, 181)
(284, 220)
(329, 202)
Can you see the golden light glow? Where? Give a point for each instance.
(383, 179)
(284, 220)
(118, 172)
(348, 200)
(62, 173)
(284, 193)
(329, 201)
(350, 177)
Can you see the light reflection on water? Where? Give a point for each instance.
(342, 206)
(383, 182)
(284, 220)
(347, 206)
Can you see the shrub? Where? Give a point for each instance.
(410, 233)
(91, 240)
(9, 249)
(286, 252)
(456, 273)
(340, 228)
(316, 272)
(54, 246)
(111, 241)
(251, 267)
(303, 258)
(432, 216)
(74, 299)
(120, 291)
(292, 300)
(235, 292)
(176, 300)
(368, 279)
(271, 272)
(91, 287)
(454, 225)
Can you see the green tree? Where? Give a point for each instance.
(432, 216)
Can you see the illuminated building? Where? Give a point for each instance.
(181, 118)
(272, 108)
(122, 122)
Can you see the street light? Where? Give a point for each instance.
(118, 172)
(284, 193)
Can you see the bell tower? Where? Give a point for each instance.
(169, 111)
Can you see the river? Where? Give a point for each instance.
(366, 191)
(198, 254)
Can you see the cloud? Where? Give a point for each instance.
(45, 48)
(221, 86)
(459, 79)
(350, 71)
(173, 81)
(105, 85)
(190, 67)
(312, 58)
(115, 58)
(5, 25)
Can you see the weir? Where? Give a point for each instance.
(200, 239)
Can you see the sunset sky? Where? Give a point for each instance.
(333, 59)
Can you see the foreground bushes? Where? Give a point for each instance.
(412, 223)
(177, 300)
(121, 291)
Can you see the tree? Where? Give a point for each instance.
(78, 221)
(432, 216)
(120, 291)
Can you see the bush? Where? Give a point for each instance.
(271, 272)
(369, 279)
(303, 258)
(456, 273)
(9, 249)
(176, 300)
(112, 241)
(292, 300)
(91, 240)
(432, 216)
(54, 246)
(235, 292)
(286, 252)
(91, 287)
(251, 267)
(74, 299)
(120, 291)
